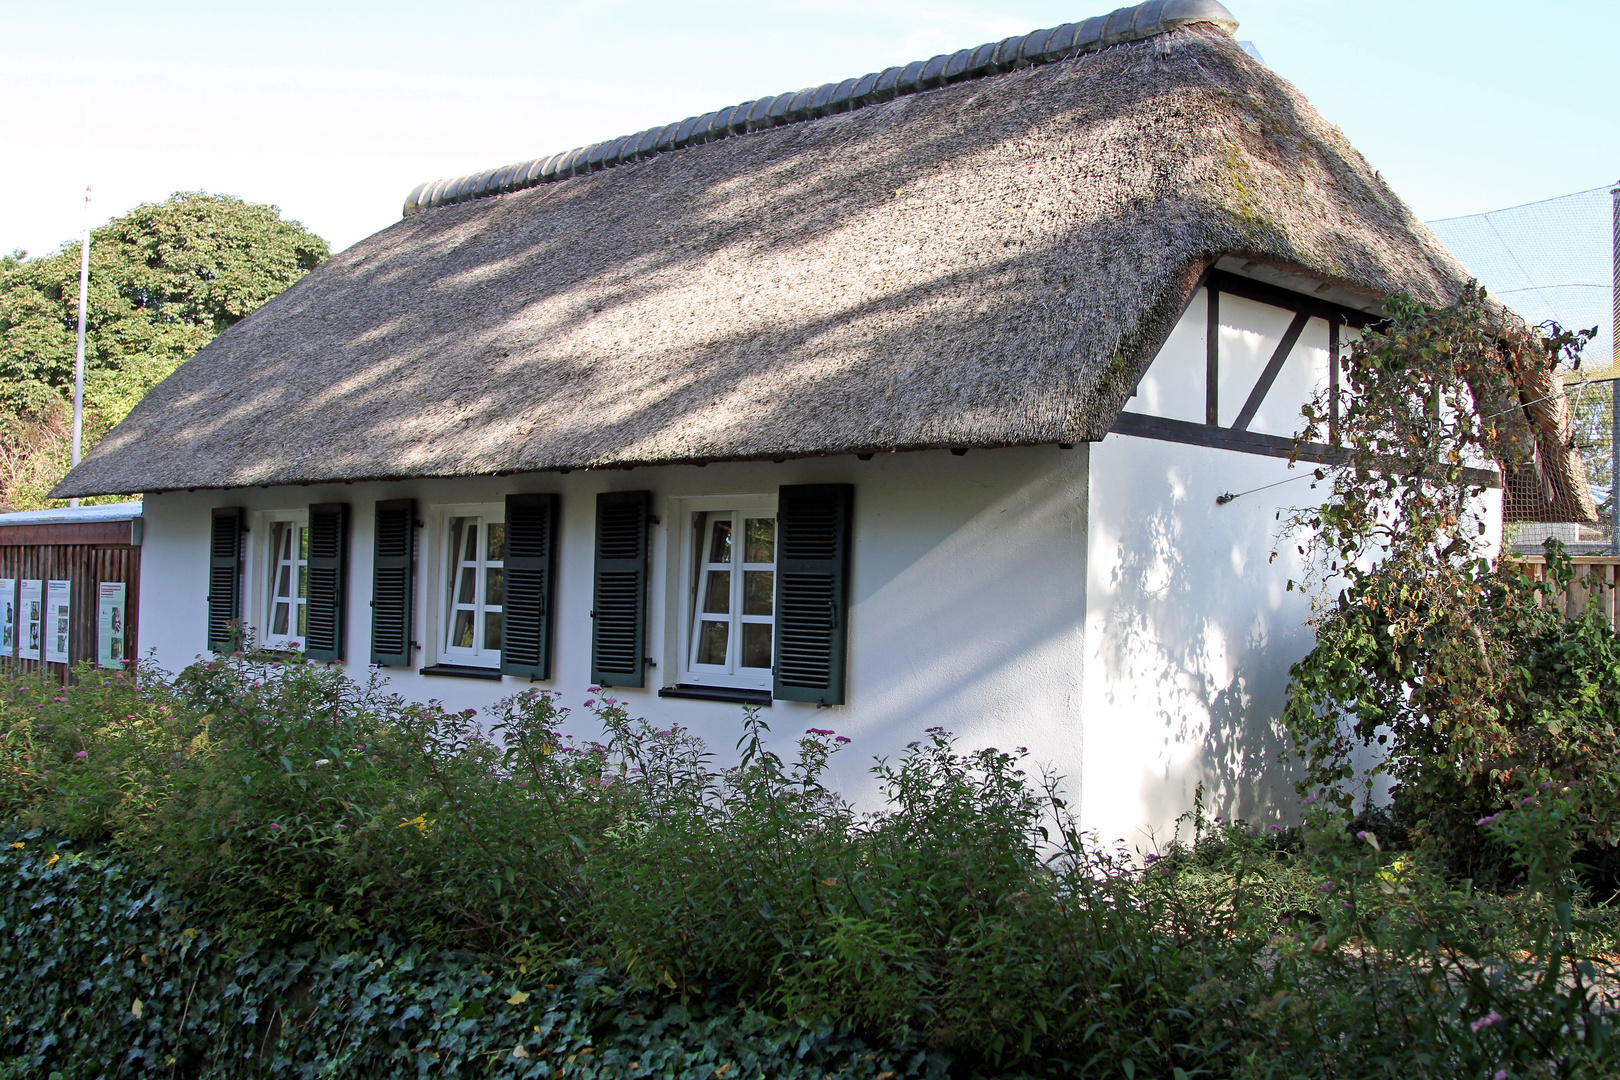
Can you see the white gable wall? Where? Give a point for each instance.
(1190, 625)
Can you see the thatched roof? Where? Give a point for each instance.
(988, 263)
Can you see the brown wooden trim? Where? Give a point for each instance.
(1262, 293)
(1251, 442)
(1212, 356)
(97, 533)
(1279, 357)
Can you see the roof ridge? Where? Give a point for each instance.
(1021, 50)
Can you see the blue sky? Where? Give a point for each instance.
(334, 110)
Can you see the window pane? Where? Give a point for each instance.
(284, 581)
(712, 642)
(461, 635)
(303, 619)
(494, 586)
(497, 541)
(471, 554)
(720, 550)
(492, 631)
(756, 645)
(278, 625)
(758, 586)
(283, 542)
(303, 582)
(303, 543)
(761, 540)
(469, 585)
(717, 599)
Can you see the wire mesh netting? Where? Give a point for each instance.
(1548, 260)
(1554, 260)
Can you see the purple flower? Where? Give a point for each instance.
(274, 825)
(1499, 1074)
(1488, 820)
(1309, 799)
(58, 699)
(589, 702)
(82, 754)
(1326, 887)
(593, 689)
(817, 731)
(842, 739)
(1486, 1021)
(1275, 828)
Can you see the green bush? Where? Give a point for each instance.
(968, 917)
(110, 973)
(1466, 724)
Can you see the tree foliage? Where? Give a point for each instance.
(165, 278)
(1456, 677)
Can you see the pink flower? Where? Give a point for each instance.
(82, 754)
(1499, 1074)
(1309, 799)
(817, 731)
(842, 739)
(1488, 820)
(274, 825)
(589, 702)
(1486, 1021)
(58, 699)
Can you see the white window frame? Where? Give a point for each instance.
(263, 594)
(447, 564)
(731, 675)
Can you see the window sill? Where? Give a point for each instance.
(729, 694)
(462, 671)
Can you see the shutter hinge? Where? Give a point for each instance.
(652, 519)
(649, 661)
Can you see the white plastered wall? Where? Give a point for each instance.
(967, 592)
(1190, 625)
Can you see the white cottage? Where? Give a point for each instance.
(907, 400)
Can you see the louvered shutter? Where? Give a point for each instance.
(326, 607)
(392, 583)
(813, 531)
(619, 613)
(531, 573)
(224, 579)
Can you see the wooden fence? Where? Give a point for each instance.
(86, 554)
(1596, 576)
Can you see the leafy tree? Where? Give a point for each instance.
(165, 278)
(1458, 678)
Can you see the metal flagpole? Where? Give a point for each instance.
(78, 359)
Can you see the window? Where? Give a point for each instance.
(287, 593)
(475, 586)
(733, 596)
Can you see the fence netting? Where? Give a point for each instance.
(1554, 261)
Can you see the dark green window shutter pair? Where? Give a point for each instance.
(224, 578)
(813, 539)
(814, 533)
(328, 581)
(393, 583)
(327, 604)
(531, 576)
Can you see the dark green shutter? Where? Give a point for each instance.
(531, 574)
(813, 532)
(225, 579)
(619, 610)
(393, 581)
(327, 605)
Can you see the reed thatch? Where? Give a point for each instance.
(990, 263)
